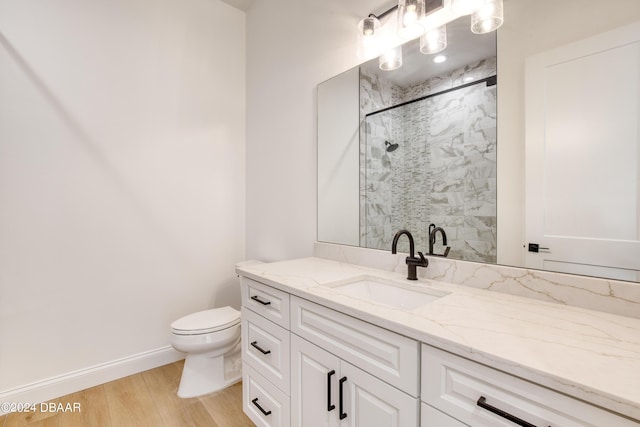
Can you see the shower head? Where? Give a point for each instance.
(390, 147)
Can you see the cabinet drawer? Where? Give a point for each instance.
(266, 301)
(263, 403)
(431, 417)
(455, 386)
(385, 354)
(265, 346)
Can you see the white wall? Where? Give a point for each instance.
(122, 178)
(292, 45)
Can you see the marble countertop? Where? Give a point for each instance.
(587, 354)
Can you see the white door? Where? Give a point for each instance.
(583, 156)
(314, 385)
(370, 402)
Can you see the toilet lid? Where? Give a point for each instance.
(204, 322)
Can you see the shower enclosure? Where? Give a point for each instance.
(432, 160)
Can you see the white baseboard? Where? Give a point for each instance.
(71, 382)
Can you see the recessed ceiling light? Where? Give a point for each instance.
(439, 59)
(468, 79)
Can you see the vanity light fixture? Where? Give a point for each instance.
(410, 15)
(368, 37)
(391, 59)
(488, 17)
(465, 7)
(413, 17)
(434, 41)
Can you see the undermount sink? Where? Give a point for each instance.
(388, 293)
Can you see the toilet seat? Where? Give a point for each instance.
(206, 322)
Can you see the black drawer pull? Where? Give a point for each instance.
(257, 299)
(330, 407)
(343, 414)
(255, 402)
(255, 345)
(482, 403)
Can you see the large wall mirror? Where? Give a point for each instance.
(524, 145)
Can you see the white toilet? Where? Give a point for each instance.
(211, 339)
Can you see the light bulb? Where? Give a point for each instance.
(368, 38)
(434, 41)
(391, 59)
(488, 18)
(410, 13)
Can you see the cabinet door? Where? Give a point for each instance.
(369, 402)
(314, 385)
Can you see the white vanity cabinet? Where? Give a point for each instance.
(266, 348)
(265, 354)
(327, 391)
(306, 365)
(475, 395)
(393, 358)
(268, 302)
(431, 417)
(313, 386)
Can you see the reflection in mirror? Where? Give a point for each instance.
(584, 108)
(430, 158)
(426, 147)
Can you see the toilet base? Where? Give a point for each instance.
(203, 375)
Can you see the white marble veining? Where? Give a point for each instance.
(591, 355)
(611, 296)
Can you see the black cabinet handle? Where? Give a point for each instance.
(343, 414)
(255, 345)
(330, 407)
(255, 402)
(482, 403)
(257, 299)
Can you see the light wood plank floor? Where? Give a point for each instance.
(145, 399)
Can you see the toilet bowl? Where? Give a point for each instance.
(211, 339)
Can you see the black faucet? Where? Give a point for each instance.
(412, 261)
(433, 230)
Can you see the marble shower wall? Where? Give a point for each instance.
(444, 170)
